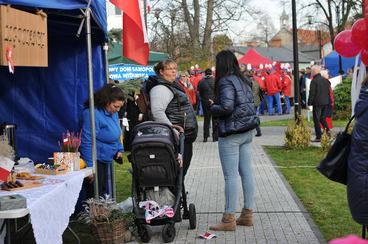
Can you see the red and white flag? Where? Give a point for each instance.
(135, 41)
(6, 165)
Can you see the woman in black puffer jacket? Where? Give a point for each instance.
(235, 111)
(357, 183)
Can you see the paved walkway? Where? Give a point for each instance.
(278, 215)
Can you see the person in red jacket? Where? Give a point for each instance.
(286, 88)
(260, 80)
(187, 86)
(273, 88)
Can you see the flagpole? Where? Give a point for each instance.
(112, 170)
(145, 14)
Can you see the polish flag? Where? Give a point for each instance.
(135, 41)
(6, 165)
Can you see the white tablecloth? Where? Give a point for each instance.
(51, 205)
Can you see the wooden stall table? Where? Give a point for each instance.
(49, 206)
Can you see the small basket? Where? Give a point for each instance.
(109, 232)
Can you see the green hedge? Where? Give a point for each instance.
(342, 95)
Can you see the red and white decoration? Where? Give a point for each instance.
(6, 165)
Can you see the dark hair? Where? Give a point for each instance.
(208, 72)
(227, 64)
(162, 64)
(106, 95)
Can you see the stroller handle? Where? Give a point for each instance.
(178, 128)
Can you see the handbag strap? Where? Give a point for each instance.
(350, 120)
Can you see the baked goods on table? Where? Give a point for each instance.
(11, 182)
(49, 169)
(28, 176)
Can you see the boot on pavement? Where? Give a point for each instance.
(227, 223)
(246, 217)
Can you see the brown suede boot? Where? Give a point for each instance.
(246, 217)
(228, 223)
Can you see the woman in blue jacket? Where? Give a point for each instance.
(108, 101)
(236, 113)
(357, 180)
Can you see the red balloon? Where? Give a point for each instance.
(364, 56)
(359, 33)
(344, 45)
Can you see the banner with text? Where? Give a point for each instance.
(129, 71)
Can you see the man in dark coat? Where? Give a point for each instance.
(357, 180)
(206, 92)
(319, 94)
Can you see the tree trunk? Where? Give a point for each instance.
(192, 22)
(206, 43)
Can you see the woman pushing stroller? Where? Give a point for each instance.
(170, 104)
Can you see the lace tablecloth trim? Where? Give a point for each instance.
(50, 213)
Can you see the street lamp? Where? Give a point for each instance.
(341, 71)
(319, 36)
(296, 62)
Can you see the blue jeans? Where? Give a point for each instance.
(236, 160)
(287, 100)
(270, 100)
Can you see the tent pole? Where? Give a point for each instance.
(91, 97)
(113, 183)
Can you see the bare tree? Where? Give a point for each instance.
(202, 19)
(336, 13)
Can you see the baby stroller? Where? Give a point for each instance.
(154, 158)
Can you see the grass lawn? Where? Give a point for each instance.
(285, 122)
(123, 180)
(200, 118)
(324, 199)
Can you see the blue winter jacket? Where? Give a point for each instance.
(234, 107)
(357, 182)
(107, 136)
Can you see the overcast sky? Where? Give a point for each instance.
(273, 8)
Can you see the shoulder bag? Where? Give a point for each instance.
(334, 165)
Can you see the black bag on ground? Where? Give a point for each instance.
(334, 165)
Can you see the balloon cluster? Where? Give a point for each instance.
(349, 43)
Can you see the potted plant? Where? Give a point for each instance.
(108, 223)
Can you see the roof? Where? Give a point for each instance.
(281, 54)
(115, 56)
(310, 37)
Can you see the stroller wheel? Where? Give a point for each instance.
(192, 217)
(168, 233)
(145, 233)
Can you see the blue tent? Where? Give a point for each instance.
(332, 63)
(44, 102)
